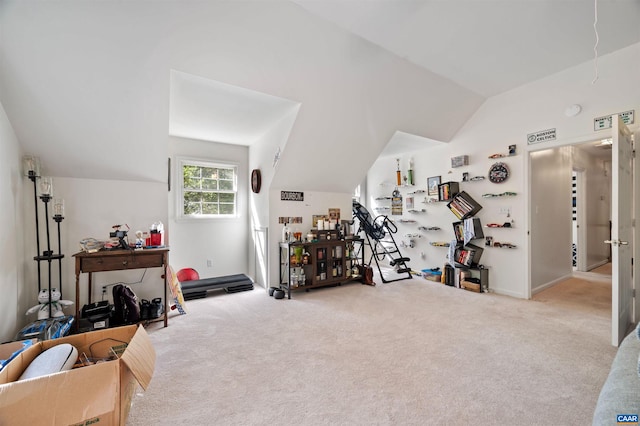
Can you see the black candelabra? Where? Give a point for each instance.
(32, 171)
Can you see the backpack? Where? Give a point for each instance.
(125, 306)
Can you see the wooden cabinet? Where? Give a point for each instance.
(304, 265)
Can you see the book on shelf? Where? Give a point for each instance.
(462, 205)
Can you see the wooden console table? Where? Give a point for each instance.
(117, 260)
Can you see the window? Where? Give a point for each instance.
(208, 189)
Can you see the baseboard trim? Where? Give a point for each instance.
(598, 264)
(591, 276)
(550, 284)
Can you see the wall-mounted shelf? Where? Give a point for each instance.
(448, 190)
(503, 194)
(497, 244)
(507, 225)
(463, 205)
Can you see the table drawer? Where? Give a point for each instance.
(114, 263)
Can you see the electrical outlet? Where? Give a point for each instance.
(209, 263)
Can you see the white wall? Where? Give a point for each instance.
(12, 284)
(381, 183)
(225, 242)
(261, 157)
(507, 119)
(92, 207)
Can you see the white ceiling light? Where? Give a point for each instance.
(573, 110)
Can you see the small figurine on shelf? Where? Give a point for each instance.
(140, 241)
(410, 172)
(44, 303)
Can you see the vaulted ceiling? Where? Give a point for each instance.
(489, 46)
(97, 87)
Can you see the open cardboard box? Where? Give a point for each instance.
(99, 393)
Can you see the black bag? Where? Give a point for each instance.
(125, 303)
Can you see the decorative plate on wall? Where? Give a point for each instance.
(498, 173)
(256, 180)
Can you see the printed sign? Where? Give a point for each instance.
(541, 136)
(602, 123)
(291, 196)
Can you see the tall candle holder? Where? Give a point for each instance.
(58, 216)
(31, 166)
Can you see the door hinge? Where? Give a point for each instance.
(633, 292)
(633, 153)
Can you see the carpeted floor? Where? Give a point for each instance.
(411, 352)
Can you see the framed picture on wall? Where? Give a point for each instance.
(432, 185)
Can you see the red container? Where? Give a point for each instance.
(156, 238)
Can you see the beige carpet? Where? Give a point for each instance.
(411, 352)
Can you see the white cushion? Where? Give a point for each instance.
(54, 360)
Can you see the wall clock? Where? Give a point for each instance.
(256, 180)
(498, 173)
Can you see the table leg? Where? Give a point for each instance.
(90, 286)
(77, 319)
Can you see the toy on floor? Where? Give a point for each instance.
(176, 291)
(55, 303)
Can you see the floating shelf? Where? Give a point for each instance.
(439, 244)
(503, 194)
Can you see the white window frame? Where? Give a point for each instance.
(183, 161)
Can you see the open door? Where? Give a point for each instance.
(621, 230)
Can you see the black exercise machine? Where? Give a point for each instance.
(379, 237)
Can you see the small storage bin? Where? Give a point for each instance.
(432, 274)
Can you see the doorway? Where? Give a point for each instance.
(570, 203)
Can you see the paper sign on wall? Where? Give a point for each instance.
(541, 136)
(602, 123)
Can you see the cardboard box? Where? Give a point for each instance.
(100, 393)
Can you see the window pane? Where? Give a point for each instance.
(191, 208)
(191, 196)
(209, 184)
(226, 174)
(191, 172)
(226, 185)
(191, 183)
(227, 198)
(208, 208)
(226, 209)
(210, 197)
(210, 172)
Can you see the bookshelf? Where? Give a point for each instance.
(447, 190)
(462, 205)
